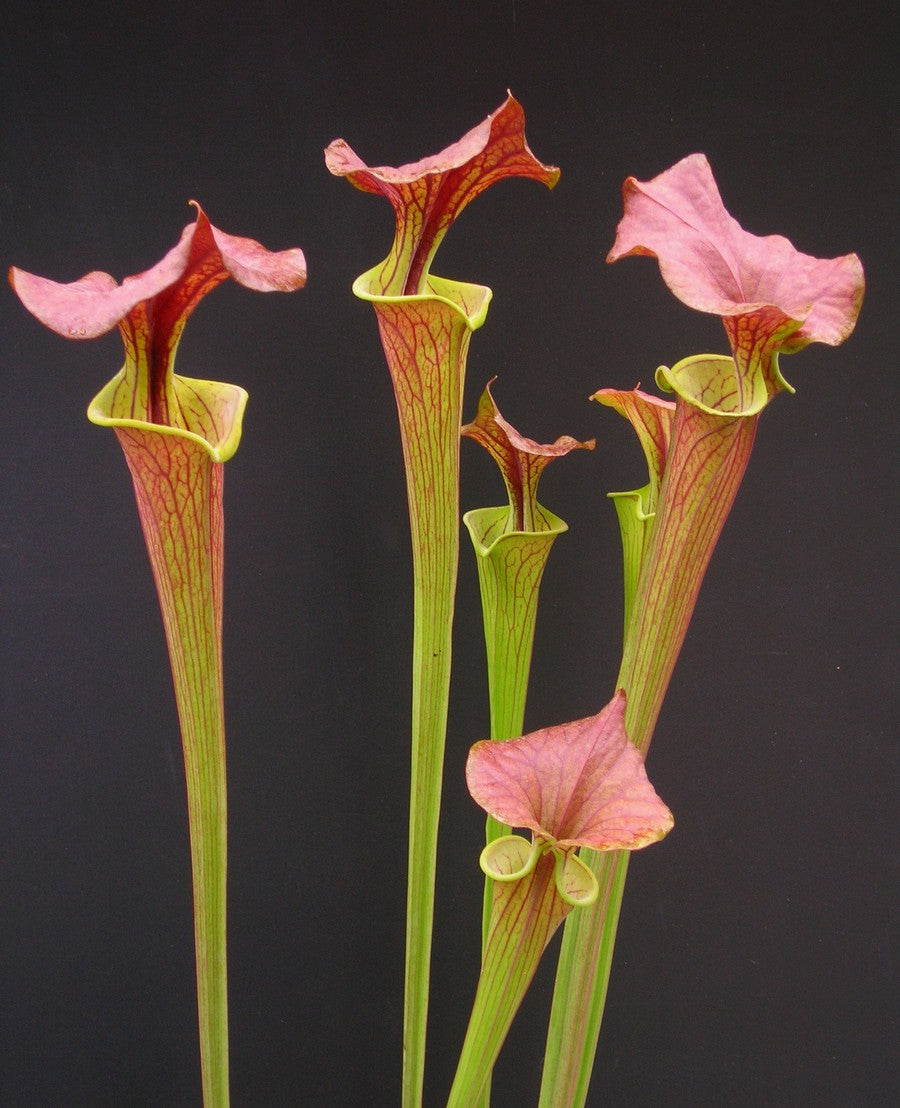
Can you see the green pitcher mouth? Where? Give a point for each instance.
(219, 403)
(470, 301)
(714, 384)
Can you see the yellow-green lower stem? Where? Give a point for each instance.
(592, 936)
(431, 686)
(208, 822)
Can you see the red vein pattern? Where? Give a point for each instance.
(525, 915)
(707, 459)
(521, 460)
(771, 299)
(176, 433)
(577, 783)
(426, 340)
(429, 194)
(178, 488)
(510, 567)
(425, 325)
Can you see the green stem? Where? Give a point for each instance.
(591, 934)
(434, 589)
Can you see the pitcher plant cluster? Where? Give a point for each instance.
(565, 805)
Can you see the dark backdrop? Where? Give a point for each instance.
(754, 959)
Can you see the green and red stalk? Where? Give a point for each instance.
(651, 419)
(706, 461)
(697, 457)
(425, 340)
(512, 545)
(510, 568)
(178, 483)
(176, 433)
(425, 324)
(525, 915)
(576, 784)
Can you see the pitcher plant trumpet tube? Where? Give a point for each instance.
(425, 323)
(512, 545)
(176, 433)
(773, 300)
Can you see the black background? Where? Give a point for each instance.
(754, 963)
